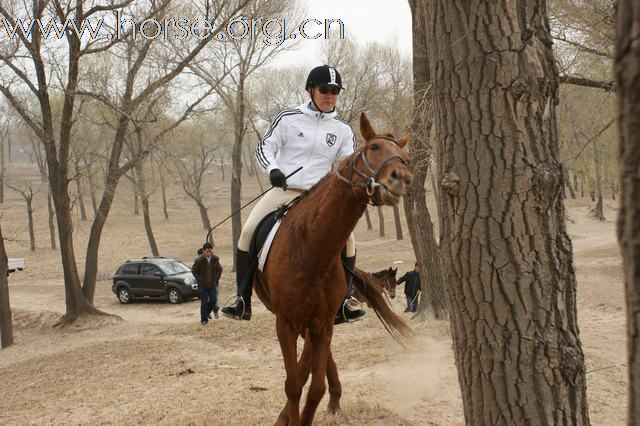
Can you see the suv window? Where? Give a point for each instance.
(147, 269)
(130, 269)
(172, 268)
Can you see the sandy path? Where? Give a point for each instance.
(159, 366)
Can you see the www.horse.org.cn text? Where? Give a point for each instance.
(272, 31)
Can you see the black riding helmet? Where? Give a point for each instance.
(324, 75)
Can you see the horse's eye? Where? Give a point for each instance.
(374, 147)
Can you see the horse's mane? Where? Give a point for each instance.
(326, 177)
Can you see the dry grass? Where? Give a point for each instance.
(159, 366)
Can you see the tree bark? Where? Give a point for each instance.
(627, 72)
(381, 221)
(503, 239)
(6, 324)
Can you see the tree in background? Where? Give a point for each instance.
(425, 246)
(30, 61)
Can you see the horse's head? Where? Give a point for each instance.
(388, 279)
(380, 166)
(392, 282)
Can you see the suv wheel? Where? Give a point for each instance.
(124, 296)
(175, 296)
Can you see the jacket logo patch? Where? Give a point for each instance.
(331, 139)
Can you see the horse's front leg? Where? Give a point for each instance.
(304, 368)
(321, 342)
(335, 387)
(287, 336)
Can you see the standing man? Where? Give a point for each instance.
(207, 270)
(412, 288)
(310, 136)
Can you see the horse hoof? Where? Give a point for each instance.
(333, 410)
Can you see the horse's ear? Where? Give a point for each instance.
(366, 130)
(404, 140)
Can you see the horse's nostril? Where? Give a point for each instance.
(394, 175)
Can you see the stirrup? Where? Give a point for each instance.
(227, 307)
(344, 309)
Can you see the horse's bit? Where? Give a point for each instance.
(370, 181)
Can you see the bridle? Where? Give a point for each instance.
(371, 182)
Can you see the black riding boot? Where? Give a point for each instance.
(345, 313)
(239, 310)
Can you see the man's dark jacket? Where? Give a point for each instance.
(412, 283)
(207, 273)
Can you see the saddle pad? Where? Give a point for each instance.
(264, 251)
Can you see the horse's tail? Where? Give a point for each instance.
(372, 290)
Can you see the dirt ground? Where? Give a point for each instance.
(158, 365)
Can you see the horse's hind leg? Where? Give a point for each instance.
(320, 341)
(287, 337)
(335, 387)
(304, 368)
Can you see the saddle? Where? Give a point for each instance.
(258, 240)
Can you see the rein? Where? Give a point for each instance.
(371, 181)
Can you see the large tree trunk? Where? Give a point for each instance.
(627, 70)
(52, 226)
(76, 302)
(503, 239)
(6, 324)
(434, 297)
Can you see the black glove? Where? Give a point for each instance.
(277, 178)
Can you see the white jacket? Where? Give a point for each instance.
(304, 137)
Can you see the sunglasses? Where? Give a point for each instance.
(325, 90)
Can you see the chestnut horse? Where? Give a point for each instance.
(303, 280)
(388, 279)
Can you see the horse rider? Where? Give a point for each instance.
(314, 137)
